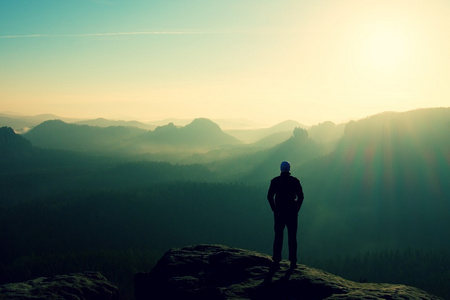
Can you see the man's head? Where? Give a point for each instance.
(285, 166)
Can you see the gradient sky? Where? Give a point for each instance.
(266, 61)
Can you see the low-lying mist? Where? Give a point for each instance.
(71, 191)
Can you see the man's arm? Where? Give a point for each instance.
(300, 196)
(270, 195)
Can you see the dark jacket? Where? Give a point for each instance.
(288, 193)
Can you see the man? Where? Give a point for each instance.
(285, 197)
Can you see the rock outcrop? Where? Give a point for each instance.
(80, 286)
(221, 272)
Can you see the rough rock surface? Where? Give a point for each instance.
(79, 286)
(221, 272)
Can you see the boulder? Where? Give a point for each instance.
(79, 286)
(221, 272)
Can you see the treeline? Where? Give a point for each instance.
(40, 174)
(159, 216)
(425, 269)
(122, 232)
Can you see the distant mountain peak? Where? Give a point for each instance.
(204, 120)
(203, 123)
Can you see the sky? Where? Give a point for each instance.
(259, 60)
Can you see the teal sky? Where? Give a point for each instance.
(266, 61)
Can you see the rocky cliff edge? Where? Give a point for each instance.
(221, 272)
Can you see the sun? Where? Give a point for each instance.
(384, 47)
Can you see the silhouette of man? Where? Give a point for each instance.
(285, 197)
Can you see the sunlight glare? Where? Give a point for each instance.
(385, 47)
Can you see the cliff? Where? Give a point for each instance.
(221, 272)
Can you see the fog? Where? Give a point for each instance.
(114, 198)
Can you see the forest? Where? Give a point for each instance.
(377, 205)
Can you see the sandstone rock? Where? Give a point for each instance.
(221, 272)
(79, 286)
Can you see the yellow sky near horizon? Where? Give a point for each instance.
(310, 61)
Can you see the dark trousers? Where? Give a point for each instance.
(289, 220)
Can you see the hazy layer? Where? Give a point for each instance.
(308, 61)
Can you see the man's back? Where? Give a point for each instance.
(287, 191)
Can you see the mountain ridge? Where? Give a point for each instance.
(56, 134)
(102, 122)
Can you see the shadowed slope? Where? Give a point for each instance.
(387, 181)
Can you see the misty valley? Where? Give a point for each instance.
(113, 197)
